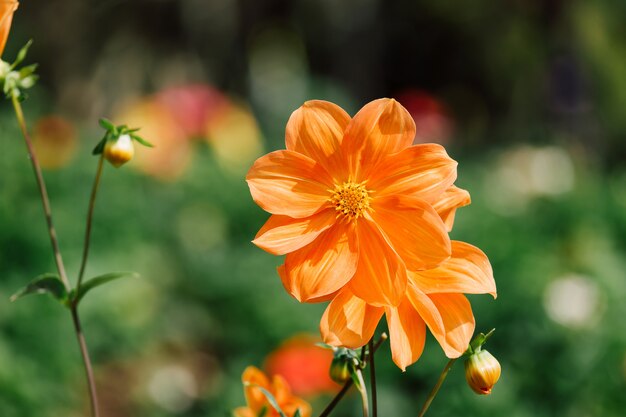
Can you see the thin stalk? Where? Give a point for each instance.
(435, 389)
(346, 387)
(19, 114)
(93, 394)
(363, 391)
(92, 204)
(373, 379)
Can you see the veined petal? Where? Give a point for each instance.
(407, 332)
(283, 234)
(447, 203)
(380, 128)
(414, 230)
(467, 271)
(323, 266)
(316, 130)
(424, 171)
(448, 316)
(349, 321)
(254, 396)
(289, 183)
(380, 277)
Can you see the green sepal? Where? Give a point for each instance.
(100, 146)
(270, 398)
(28, 70)
(21, 55)
(477, 342)
(140, 139)
(297, 413)
(106, 124)
(44, 284)
(356, 380)
(90, 284)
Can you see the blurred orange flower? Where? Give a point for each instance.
(7, 8)
(303, 364)
(434, 298)
(256, 400)
(54, 139)
(352, 202)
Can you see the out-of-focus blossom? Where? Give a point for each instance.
(193, 106)
(172, 150)
(235, 137)
(7, 8)
(54, 139)
(572, 301)
(257, 401)
(303, 365)
(482, 371)
(432, 121)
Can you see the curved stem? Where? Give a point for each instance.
(373, 379)
(92, 204)
(346, 387)
(42, 191)
(435, 389)
(93, 395)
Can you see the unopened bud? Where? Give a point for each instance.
(482, 371)
(119, 151)
(341, 369)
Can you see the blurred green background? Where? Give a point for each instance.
(527, 95)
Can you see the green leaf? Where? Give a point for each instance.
(297, 413)
(98, 281)
(106, 124)
(28, 70)
(269, 397)
(46, 283)
(142, 141)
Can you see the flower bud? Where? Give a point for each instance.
(119, 151)
(482, 371)
(341, 369)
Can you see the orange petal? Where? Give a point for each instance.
(283, 234)
(286, 283)
(407, 332)
(467, 271)
(447, 203)
(280, 389)
(316, 130)
(7, 8)
(297, 404)
(448, 316)
(289, 183)
(349, 321)
(254, 396)
(380, 278)
(244, 412)
(424, 171)
(414, 230)
(380, 128)
(323, 266)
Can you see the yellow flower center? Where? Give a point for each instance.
(350, 199)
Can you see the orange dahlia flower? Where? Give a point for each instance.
(257, 402)
(354, 206)
(7, 8)
(434, 298)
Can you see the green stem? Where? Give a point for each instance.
(363, 391)
(42, 191)
(19, 114)
(93, 394)
(92, 204)
(346, 387)
(373, 379)
(435, 389)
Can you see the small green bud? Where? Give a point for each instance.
(341, 369)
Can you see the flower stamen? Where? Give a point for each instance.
(351, 200)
